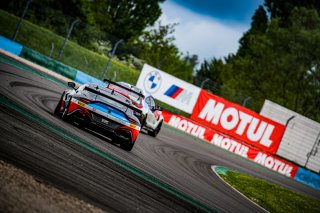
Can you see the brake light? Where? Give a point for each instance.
(133, 121)
(85, 100)
(137, 105)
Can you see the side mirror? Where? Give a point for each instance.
(72, 85)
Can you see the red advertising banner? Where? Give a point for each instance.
(263, 158)
(230, 144)
(238, 122)
(188, 126)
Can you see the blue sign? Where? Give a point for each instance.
(10, 46)
(308, 177)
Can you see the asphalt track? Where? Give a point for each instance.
(170, 173)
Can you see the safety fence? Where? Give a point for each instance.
(47, 62)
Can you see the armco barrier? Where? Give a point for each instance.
(82, 78)
(10, 46)
(308, 177)
(58, 67)
(49, 63)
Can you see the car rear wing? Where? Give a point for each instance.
(98, 90)
(108, 82)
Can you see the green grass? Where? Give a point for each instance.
(41, 40)
(271, 197)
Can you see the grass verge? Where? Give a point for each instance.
(41, 40)
(270, 196)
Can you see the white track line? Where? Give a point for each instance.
(213, 169)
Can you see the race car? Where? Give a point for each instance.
(136, 99)
(103, 110)
(152, 118)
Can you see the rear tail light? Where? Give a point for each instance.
(137, 105)
(85, 100)
(133, 121)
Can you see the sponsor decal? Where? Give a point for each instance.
(179, 94)
(168, 89)
(133, 126)
(230, 145)
(187, 126)
(273, 163)
(173, 91)
(232, 119)
(109, 116)
(152, 82)
(81, 104)
(254, 154)
(237, 121)
(105, 121)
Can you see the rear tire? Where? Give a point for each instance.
(58, 107)
(152, 133)
(155, 132)
(127, 146)
(64, 115)
(143, 122)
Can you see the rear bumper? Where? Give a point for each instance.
(101, 123)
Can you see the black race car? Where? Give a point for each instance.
(104, 110)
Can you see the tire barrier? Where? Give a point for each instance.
(82, 78)
(49, 63)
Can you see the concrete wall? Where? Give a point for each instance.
(301, 140)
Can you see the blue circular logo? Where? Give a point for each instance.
(152, 82)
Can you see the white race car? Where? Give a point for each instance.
(152, 113)
(153, 119)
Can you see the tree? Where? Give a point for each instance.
(125, 19)
(193, 60)
(278, 59)
(283, 64)
(209, 76)
(156, 48)
(282, 9)
(259, 26)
